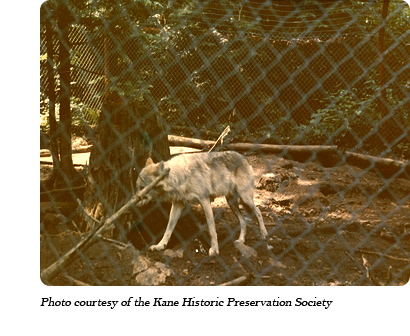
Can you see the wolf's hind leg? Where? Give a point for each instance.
(234, 205)
(247, 201)
(206, 205)
(262, 228)
(176, 211)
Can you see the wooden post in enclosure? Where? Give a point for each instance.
(64, 70)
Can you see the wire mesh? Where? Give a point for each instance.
(316, 95)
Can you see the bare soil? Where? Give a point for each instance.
(321, 222)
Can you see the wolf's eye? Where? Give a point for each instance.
(140, 183)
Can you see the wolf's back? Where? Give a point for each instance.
(197, 176)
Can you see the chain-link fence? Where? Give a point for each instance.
(315, 94)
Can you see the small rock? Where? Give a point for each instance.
(148, 273)
(277, 263)
(269, 182)
(327, 189)
(152, 277)
(141, 264)
(174, 254)
(288, 165)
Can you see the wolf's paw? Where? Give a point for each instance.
(158, 247)
(240, 240)
(213, 252)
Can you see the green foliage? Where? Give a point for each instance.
(348, 115)
(81, 115)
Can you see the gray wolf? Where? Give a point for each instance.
(199, 178)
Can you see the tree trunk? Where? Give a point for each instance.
(125, 139)
(51, 95)
(126, 135)
(66, 160)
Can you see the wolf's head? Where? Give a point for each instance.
(149, 173)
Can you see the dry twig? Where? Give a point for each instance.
(75, 281)
(383, 255)
(117, 243)
(53, 191)
(369, 273)
(236, 282)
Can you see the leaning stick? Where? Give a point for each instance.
(221, 137)
(85, 243)
(236, 282)
(75, 281)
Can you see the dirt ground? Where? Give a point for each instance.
(324, 226)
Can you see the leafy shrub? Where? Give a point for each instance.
(349, 117)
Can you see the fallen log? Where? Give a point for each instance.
(175, 140)
(386, 167)
(78, 149)
(327, 155)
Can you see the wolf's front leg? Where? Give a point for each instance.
(176, 211)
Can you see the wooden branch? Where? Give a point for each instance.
(75, 281)
(236, 282)
(369, 273)
(221, 138)
(389, 275)
(76, 227)
(53, 191)
(65, 260)
(117, 243)
(85, 243)
(383, 255)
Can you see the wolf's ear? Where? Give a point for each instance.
(161, 167)
(149, 162)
